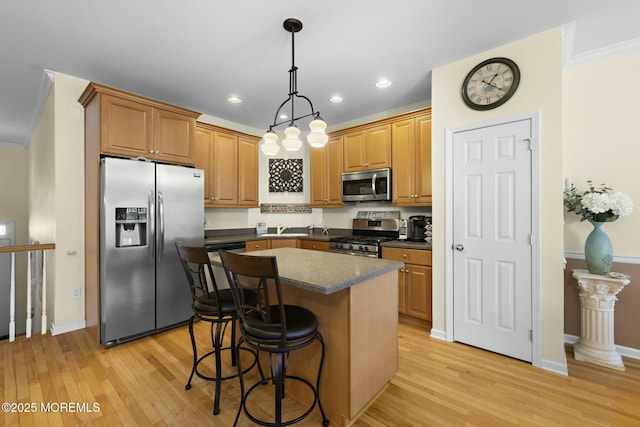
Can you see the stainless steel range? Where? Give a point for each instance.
(370, 230)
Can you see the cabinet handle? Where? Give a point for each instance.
(157, 152)
(150, 151)
(402, 270)
(404, 255)
(257, 246)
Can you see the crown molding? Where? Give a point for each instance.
(46, 82)
(570, 59)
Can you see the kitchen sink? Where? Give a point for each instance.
(284, 235)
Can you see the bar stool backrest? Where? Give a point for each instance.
(263, 318)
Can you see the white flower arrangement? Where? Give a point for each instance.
(600, 204)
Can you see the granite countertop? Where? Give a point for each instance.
(247, 237)
(303, 268)
(314, 236)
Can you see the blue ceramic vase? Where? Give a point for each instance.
(598, 252)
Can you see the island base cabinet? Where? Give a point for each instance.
(360, 330)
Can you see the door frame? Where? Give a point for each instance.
(536, 314)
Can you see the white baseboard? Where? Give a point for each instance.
(630, 352)
(437, 334)
(558, 368)
(57, 330)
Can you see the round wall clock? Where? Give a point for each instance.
(490, 83)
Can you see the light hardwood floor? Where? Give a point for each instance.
(141, 383)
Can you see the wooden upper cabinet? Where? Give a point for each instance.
(367, 148)
(133, 126)
(423, 156)
(326, 174)
(204, 159)
(225, 169)
(230, 162)
(248, 190)
(173, 136)
(411, 166)
(379, 147)
(126, 127)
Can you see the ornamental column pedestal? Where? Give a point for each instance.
(597, 301)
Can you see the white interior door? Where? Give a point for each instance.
(492, 227)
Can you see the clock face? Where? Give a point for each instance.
(490, 83)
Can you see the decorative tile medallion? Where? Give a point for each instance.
(285, 208)
(285, 175)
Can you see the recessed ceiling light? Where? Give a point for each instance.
(234, 100)
(383, 83)
(335, 99)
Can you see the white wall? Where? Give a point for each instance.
(601, 143)
(14, 206)
(42, 193)
(539, 60)
(56, 198)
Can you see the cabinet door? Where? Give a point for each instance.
(423, 157)
(403, 165)
(378, 147)
(126, 128)
(418, 291)
(284, 243)
(314, 245)
(256, 245)
(355, 149)
(225, 169)
(204, 158)
(402, 294)
(334, 150)
(319, 173)
(173, 136)
(248, 171)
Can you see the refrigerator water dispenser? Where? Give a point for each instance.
(131, 227)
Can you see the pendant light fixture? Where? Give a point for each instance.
(317, 136)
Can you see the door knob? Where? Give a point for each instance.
(459, 247)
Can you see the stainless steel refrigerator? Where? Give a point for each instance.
(146, 208)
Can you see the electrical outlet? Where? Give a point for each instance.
(75, 293)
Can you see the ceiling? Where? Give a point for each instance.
(196, 53)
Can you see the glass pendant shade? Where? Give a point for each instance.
(317, 137)
(292, 142)
(270, 146)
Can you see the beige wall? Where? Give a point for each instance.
(601, 143)
(14, 206)
(56, 201)
(42, 193)
(539, 59)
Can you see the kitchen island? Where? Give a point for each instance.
(356, 302)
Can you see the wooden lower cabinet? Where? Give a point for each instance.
(264, 244)
(284, 243)
(414, 281)
(256, 245)
(314, 245)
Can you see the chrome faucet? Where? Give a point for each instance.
(282, 227)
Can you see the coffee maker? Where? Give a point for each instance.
(416, 228)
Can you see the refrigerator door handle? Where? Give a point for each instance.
(160, 225)
(152, 224)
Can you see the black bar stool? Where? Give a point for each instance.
(214, 306)
(268, 325)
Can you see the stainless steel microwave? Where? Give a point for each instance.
(367, 186)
